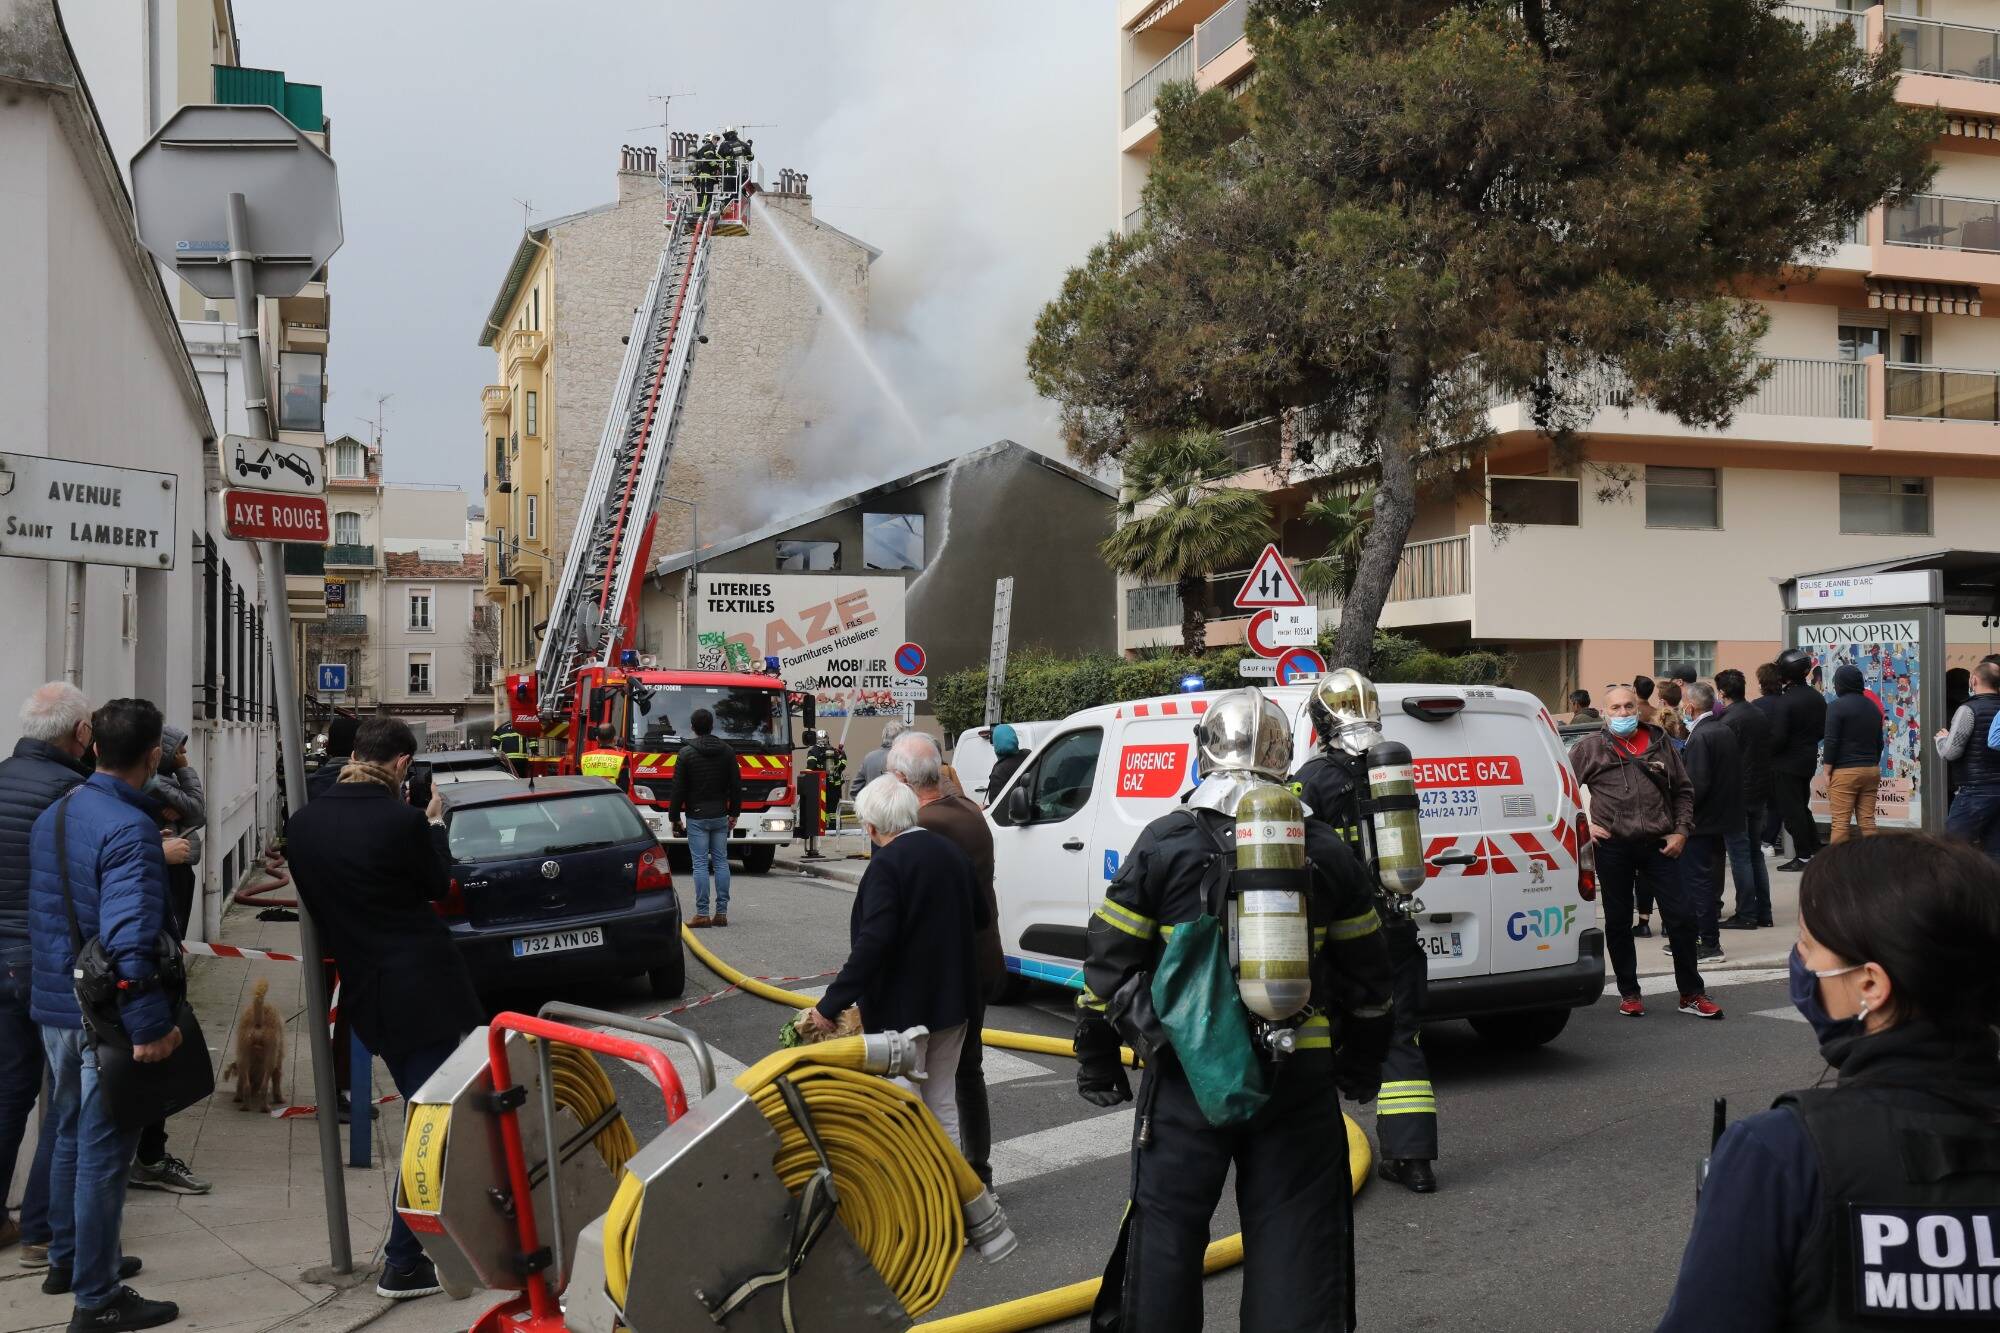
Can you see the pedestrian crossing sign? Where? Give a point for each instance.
(1271, 583)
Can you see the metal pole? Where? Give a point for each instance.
(73, 622)
(286, 696)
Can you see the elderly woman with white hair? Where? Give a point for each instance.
(910, 956)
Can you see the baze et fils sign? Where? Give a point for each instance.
(55, 509)
(251, 516)
(831, 633)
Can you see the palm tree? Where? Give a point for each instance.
(1178, 521)
(1346, 519)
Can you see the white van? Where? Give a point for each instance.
(1509, 915)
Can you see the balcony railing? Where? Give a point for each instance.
(1257, 445)
(1441, 567)
(1944, 222)
(345, 625)
(1938, 393)
(1951, 49)
(1219, 31)
(1817, 18)
(1145, 90)
(350, 553)
(495, 398)
(1797, 387)
(1133, 220)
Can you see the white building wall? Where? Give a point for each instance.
(414, 516)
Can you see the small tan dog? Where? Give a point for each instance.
(260, 1052)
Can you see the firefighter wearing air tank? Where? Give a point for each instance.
(1238, 952)
(1355, 762)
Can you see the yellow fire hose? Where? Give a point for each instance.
(874, 1131)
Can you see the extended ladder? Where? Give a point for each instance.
(592, 606)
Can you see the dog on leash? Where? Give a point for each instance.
(260, 1052)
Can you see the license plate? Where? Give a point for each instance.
(558, 941)
(1441, 942)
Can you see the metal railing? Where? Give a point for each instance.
(1954, 50)
(1939, 393)
(350, 553)
(1257, 445)
(1944, 222)
(1817, 18)
(1441, 567)
(1797, 387)
(1219, 31)
(1145, 90)
(1133, 220)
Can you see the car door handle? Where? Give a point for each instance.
(1073, 845)
(1455, 859)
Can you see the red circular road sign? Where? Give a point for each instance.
(1257, 634)
(910, 659)
(1297, 662)
(262, 517)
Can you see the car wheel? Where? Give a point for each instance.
(757, 860)
(1522, 1032)
(669, 982)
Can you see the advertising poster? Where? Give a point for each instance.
(831, 633)
(1886, 646)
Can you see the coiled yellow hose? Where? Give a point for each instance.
(897, 1209)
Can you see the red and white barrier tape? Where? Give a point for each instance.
(295, 1112)
(200, 950)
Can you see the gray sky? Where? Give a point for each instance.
(972, 141)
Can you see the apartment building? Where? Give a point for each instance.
(558, 327)
(1876, 435)
(436, 641)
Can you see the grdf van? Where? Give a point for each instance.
(1509, 912)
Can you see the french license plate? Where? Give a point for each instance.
(1441, 942)
(558, 941)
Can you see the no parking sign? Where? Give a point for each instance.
(910, 660)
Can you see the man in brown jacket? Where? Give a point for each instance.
(915, 758)
(1641, 813)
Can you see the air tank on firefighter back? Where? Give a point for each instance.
(1272, 934)
(1347, 711)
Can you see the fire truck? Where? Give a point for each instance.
(593, 704)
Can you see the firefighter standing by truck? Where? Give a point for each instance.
(1332, 784)
(1245, 1068)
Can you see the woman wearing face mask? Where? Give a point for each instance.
(1874, 1202)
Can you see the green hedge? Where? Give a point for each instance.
(1043, 685)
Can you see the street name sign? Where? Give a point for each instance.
(252, 516)
(1271, 583)
(271, 465)
(55, 509)
(182, 180)
(1295, 626)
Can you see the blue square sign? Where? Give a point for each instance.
(1111, 863)
(333, 678)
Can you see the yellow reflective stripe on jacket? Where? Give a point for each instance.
(1357, 927)
(603, 763)
(1319, 936)
(1315, 1034)
(1409, 1096)
(1089, 1001)
(1127, 920)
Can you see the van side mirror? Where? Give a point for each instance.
(1020, 810)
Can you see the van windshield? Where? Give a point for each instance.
(746, 717)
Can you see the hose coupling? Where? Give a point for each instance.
(895, 1054)
(986, 1228)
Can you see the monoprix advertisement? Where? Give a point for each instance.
(831, 634)
(1887, 648)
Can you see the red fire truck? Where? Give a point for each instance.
(592, 705)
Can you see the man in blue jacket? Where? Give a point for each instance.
(117, 880)
(47, 761)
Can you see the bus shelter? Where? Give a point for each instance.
(1905, 623)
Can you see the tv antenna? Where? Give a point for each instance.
(527, 209)
(666, 101)
(381, 414)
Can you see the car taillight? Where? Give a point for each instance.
(654, 877)
(453, 902)
(1586, 862)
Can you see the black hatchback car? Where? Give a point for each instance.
(558, 880)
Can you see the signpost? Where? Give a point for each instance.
(251, 516)
(1271, 583)
(270, 465)
(910, 659)
(53, 509)
(910, 689)
(1299, 663)
(1254, 668)
(996, 658)
(333, 678)
(241, 205)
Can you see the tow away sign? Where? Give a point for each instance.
(54, 509)
(252, 516)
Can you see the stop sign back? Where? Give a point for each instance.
(254, 516)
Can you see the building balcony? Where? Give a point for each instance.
(529, 345)
(496, 400)
(305, 338)
(308, 307)
(349, 555)
(1177, 64)
(1938, 238)
(1221, 51)
(1803, 402)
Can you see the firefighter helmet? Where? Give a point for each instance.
(1343, 702)
(1243, 732)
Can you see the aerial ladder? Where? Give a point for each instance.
(595, 611)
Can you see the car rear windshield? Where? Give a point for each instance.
(743, 715)
(544, 827)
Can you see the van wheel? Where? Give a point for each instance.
(757, 860)
(1010, 989)
(668, 983)
(1522, 1032)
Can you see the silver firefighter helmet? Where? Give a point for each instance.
(1243, 732)
(1346, 710)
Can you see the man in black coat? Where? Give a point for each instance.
(706, 800)
(47, 762)
(1798, 722)
(1752, 729)
(367, 868)
(339, 748)
(1715, 768)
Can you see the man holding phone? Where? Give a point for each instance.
(1641, 814)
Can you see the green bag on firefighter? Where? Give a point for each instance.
(1195, 999)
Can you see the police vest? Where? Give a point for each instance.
(1907, 1234)
(1979, 766)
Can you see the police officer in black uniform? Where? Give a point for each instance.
(1873, 1203)
(1332, 784)
(1292, 1181)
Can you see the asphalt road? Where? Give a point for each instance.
(1567, 1177)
